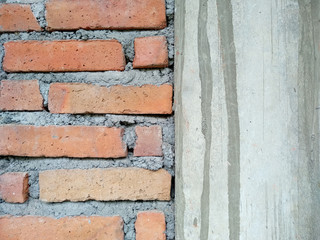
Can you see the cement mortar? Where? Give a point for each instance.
(129, 77)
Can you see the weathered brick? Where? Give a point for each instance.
(14, 187)
(67, 228)
(62, 141)
(63, 56)
(150, 225)
(150, 52)
(21, 95)
(149, 141)
(86, 98)
(106, 14)
(17, 17)
(104, 185)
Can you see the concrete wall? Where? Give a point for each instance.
(247, 119)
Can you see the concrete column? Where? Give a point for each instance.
(247, 77)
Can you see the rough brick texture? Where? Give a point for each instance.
(104, 185)
(86, 98)
(62, 56)
(149, 141)
(60, 141)
(106, 14)
(150, 52)
(150, 225)
(21, 95)
(14, 187)
(16, 17)
(68, 228)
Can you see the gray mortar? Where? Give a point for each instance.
(127, 210)
(38, 10)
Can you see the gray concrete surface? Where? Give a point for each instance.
(127, 210)
(247, 119)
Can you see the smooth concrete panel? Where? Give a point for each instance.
(247, 119)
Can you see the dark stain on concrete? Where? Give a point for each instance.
(230, 81)
(205, 72)
(179, 68)
(308, 221)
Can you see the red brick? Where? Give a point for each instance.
(111, 184)
(86, 98)
(150, 52)
(14, 187)
(106, 14)
(21, 95)
(67, 228)
(16, 17)
(63, 56)
(149, 141)
(150, 225)
(62, 141)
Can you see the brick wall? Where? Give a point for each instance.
(86, 119)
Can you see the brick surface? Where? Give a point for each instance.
(16, 17)
(60, 141)
(14, 187)
(150, 225)
(63, 56)
(150, 52)
(104, 185)
(149, 141)
(106, 14)
(21, 95)
(68, 228)
(87, 98)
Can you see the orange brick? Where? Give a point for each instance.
(106, 14)
(21, 95)
(111, 184)
(16, 17)
(63, 56)
(14, 187)
(150, 225)
(62, 141)
(86, 98)
(67, 228)
(149, 141)
(150, 52)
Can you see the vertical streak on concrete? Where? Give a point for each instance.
(315, 169)
(308, 117)
(205, 72)
(178, 71)
(230, 80)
